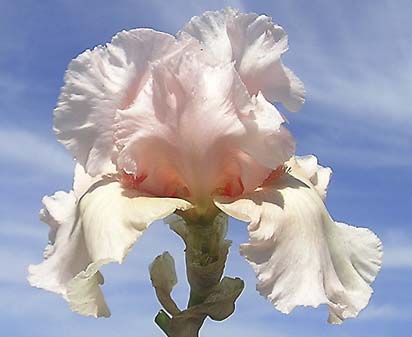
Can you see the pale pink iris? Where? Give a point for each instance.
(159, 123)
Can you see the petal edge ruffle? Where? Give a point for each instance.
(255, 44)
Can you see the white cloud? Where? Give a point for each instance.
(14, 264)
(356, 67)
(352, 65)
(178, 13)
(246, 328)
(398, 250)
(19, 230)
(385, 312)
(358, 150)
(33, 153)
(398, 257)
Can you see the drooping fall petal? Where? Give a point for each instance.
(65, 255)
(98, 228)
(256, 44)
(300, 255)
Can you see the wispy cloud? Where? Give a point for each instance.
(398, 249)
(367, 148)
(33, 153)
(398, 256)
(181, 11)
(385, 312)
(21, 231)
(15, 262)
(355, 65)
(364, 68)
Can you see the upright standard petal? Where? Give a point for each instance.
(256, 44)
(195, 130)
(86, 233)
(97, 83)
(300, 255)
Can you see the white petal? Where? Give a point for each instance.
(113, 218)
(66, 254)
(210, 29)
(84, 294)
(82, 181)
(97, 83)
(256, 44)
(306, 167)
(101, 228)
(300, 255)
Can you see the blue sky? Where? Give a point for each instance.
(355, 60)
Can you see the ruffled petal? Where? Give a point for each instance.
(84, 294)
(66, 254)
(300, 255)
(195, 129)
(99, 228)
(97, 83)
(112, 219)
(307, 167)
(256, 44)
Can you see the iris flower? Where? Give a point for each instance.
(186, 124)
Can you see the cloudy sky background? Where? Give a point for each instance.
(355, 60)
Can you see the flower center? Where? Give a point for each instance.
(173, 188)
(131, 180)
(275, 174)
(232, 186)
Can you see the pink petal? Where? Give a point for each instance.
(97, 83)
(194, 129)
(256, 44)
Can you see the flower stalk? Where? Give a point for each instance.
(206, 253)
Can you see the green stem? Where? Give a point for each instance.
(163, 320)
(206, 254)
